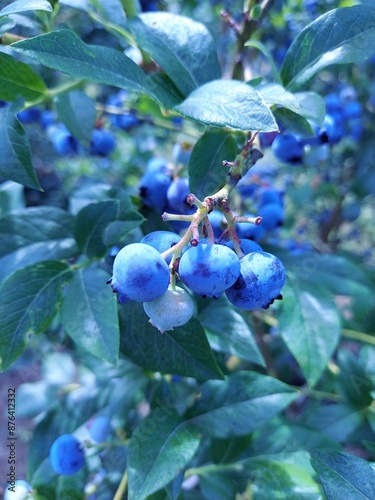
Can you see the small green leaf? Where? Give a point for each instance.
(337, 421)
(293, 122)
(239, 404)
(89, 314)
(228, 103)
(182, 47)
(91, 224)
(160, 447)
(273, 480)
(309, 325)
(29, 300)
(17, 78)
(308, 105)
(77, 111)
(344, 35)
(33, 234)
(26, 5)
(183, 351)
(228, 332)
(355, 383)
(16, 163)
(344, 475)
(267, 54)
(206, 172)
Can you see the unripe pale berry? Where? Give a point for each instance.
(173, 309)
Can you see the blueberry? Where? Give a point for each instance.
(156, 165)
(103, 142)
(332, 130)
(177, 193)
(171, 310)
(139, 273)
(246, 246)
(209, 269)
(288, 148)
(161, 240)
(47, 118)
(20, 491)
(273, 216)
(99, 428)
(63, 141)
(153, 189)
(66, 455)
(250, 231)
(30, 115)
(260, 282)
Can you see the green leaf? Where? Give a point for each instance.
(293, 122)
(355, 383)
(26, 5)
(77, 111)
(89, 314)
(337, 421)
(17, 78)
(182, 47)
(160, 447)
(6, 24)
(183, 351)
(272, 480)
(228, 103)
(309, 325)
(206, 172)
(264, 50)
(344, 475)
(91, 224)
(307, 104)
(11, 198)
(29, 300)
(239, 404)
(340, 36)
(34, 234)
(64, 51)
(228, 332)
(16, 163)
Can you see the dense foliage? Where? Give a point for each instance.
(186, 248)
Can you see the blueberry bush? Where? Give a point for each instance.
(187, 248)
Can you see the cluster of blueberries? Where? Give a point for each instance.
(344, 118)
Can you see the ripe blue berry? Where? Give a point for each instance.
(246, 246)
(172, 309)
(288, 148)
(332, 130)
(273, 216)
(209, 269)
(161, 240)
(99, 428)
(177, 193)
(260, 282)
(153, 189)
(139, 273)
(62, 140)
(66, 455)
(102, 143)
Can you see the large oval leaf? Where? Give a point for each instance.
(344, 35)
(26, 5)
(89, 314)
(29, 300)
(309, 325)
(239, 404)
(17, 78)
(160, 447)
(228, 103)
(181, 46)
(183, 351)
